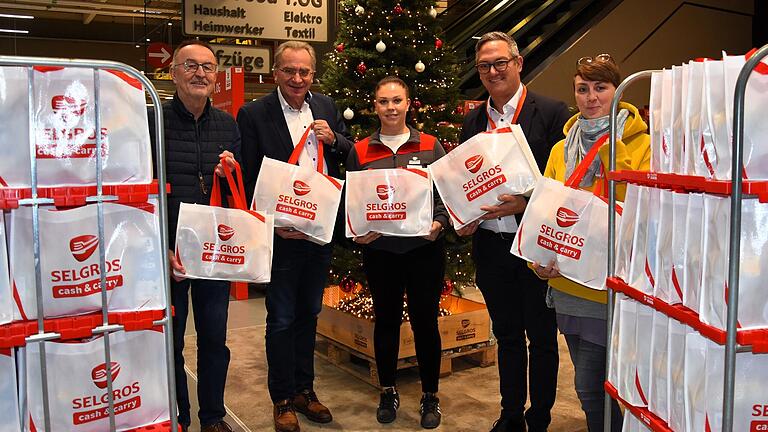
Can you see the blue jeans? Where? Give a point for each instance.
(294, 299)
(589, 367)
(210, 303)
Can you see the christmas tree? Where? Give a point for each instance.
(375, 39)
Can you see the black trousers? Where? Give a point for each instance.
(418, 274)
(515, 298)
(210, 303)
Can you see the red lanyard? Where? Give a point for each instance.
(492, 124)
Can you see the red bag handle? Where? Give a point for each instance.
(761, 67)
(581, 169)
(238, 189)
(294, 159)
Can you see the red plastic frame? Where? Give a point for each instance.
(648, 418)
(73, 196)
(159, 427)
(689, 183)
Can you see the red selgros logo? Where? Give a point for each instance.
(82, 247)
(225, 232)
(384, 191)
(68, 105)
(99, 374)
(566, 217)
(300, 188)
(474, 163)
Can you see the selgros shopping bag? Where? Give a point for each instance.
(64, 116)
(675, 373)
(714, 124)
(639, 258)
(569, 226)
(679, 222)
(648, 282)
(677, 143)
(487, 165)
(232, 244)
(69, 259)
(664, 288)
(6, 304)
(627, 349)
(694, 391)
(655, 118)
(395, 202)
(626, 231)
(658, 402)
(299, 197)
(667, 102)
(640, 394)
(700, 156)
(613, 365)
(77, 383)
(9, 398)
(694, 242)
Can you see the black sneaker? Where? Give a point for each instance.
(389, 401)
(430, 411)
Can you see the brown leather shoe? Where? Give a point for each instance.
(221, 426)
(285, 417)
(306, 403)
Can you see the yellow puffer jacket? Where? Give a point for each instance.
(633, 152)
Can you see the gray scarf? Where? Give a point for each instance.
(582, 136)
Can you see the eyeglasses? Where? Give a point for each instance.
(293, 71)
(193, 66)
(597, 58)
(499, 65)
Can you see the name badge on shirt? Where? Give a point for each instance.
(414, 162)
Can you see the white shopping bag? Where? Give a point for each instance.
(679, 221)
(638, 262)
(233, 244)
(658, 402)
(753, 259)
(655, 118)
(69, 259)
(700, 156)
(677, 143)
(9, 398)
(648, 283)
(299, 197)
(667, 102)
(64, 116)
(627, 349)
(755, 107)
(676, 332)
(487, 165)
(625, 236)
(396, 202)
(714, 124)
(6, 305)
(640, 394)
(662, 275)
(694, 390)
(694, 242)
(613, 365)
(569, 226)
(77, 382)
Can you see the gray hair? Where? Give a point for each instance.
(495, 36)
(294, 45)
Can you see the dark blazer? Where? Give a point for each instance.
(264, 132)
(541, 118)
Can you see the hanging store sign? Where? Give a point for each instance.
(253, 60)
(260, 19)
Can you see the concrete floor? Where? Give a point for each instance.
(468, 397)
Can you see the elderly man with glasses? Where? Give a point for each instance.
(197, 137)
(514, 295)
(272, 126)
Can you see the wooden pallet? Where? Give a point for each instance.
(364, 367)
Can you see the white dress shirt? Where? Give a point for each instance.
(506, 224)
(298, 120)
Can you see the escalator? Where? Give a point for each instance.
(542, 29)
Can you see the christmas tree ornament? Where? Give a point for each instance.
(438, 43)
(348, 114)
(416, 103)
(340, 47)
(432, 12)
(447, 287)
(381, 46)
(420, 67)
(347, 284)
(398, 9)
(361, 68)
(359, 10)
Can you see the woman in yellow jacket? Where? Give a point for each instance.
(581, 310)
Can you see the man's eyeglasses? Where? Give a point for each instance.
(293, 71)
(499, 65)
(597, 58)
(193, 66)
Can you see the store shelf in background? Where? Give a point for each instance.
(756, 339)
(76, 327)
(689, 183)
(648, 418)
(160, 427)
(72, 196)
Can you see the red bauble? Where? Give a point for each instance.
(416, 103)
(398, 9)
(447, 287)
(361, 68)
(347, 284)
(438, 43)
(340, 47)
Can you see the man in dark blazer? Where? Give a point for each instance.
(272, 126)
(515, 297)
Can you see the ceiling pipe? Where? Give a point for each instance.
(163, 16)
